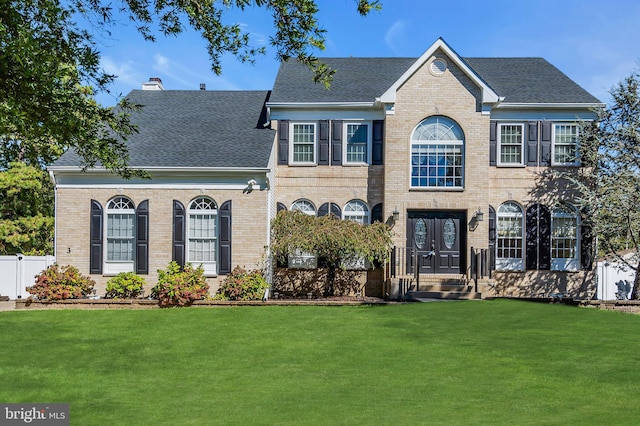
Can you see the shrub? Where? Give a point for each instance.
(57, 283)
(241, 284)
(178, 287)
(125, 285)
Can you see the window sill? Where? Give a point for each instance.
(511, 166)
(435, 189)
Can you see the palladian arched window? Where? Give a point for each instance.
(437, 154)
(565, 234)
(120, 232)
(510, 237)
(202, 245)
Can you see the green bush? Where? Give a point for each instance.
(125, 285)
(58, 283)
(178, 287)
(241, 284)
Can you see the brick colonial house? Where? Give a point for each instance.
(448, 150)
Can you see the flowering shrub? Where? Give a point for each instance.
(125, 285)
(241, 284)
(180, 287)
(57, 283)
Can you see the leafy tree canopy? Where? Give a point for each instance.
(26, 211)
(49, 66)
(610, 184)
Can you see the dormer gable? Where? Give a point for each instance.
(489, 96)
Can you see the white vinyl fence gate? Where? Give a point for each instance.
(18, 272)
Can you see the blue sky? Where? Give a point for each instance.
(594, 42)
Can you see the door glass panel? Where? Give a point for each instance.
(420, 233)
(449, 233)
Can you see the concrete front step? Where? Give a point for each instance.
(444, 295)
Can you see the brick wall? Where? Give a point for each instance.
(249, 229)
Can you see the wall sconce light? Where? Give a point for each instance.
(396, 215)
(478, 216)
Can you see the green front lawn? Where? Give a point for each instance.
(480, 362)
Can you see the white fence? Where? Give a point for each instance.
(18, 272)
(612, 280)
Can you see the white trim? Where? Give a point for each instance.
(292, 143)
(553, 144)
(566, 264)
(159, 186)
(511, 263)
(345, 144)
(549, 105)
(488, 95)
(499, 145)
(321, 105)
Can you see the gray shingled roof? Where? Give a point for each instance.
(519, 80)
(180, 128)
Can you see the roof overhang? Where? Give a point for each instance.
(102, 170)
(488, 94)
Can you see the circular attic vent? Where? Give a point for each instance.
(438, 66)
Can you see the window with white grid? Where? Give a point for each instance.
(510, 144)
(564, 240)
(437, 154)
(357, 143)
(303, 137)
(120, 230)
(510, 237)
(565, 144)
(356, 211)
(298, 258)
(203, 233)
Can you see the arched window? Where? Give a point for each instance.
(510, 237)
(357, 211)
(202, 241)
(304, 206)
(298, 258)
(564, 239)
(437, 154)
(120, 233)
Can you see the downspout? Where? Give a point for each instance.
(55, 215)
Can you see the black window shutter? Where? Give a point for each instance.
(531, 224)
(224, 258)
(544, 238)
(95, 231)
(336, 211)
(532, 143)
(538, 224)
(323, 143)
(492, 238)
(142, 238)
(545, 144)
(280, 207)
(283, 142)
(586, 247)
(493, 144)
(179, 237)
(336, 143)
(378, 142)
(376, 213)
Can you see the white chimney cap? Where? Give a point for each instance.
(154, 83)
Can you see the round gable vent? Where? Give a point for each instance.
(438, 66)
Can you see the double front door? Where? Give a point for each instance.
(434, 239)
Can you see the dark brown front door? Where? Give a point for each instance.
(434, 240)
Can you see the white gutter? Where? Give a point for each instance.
(516, 105)
(162, 169)
(321, 105)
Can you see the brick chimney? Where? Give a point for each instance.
(154, 83)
